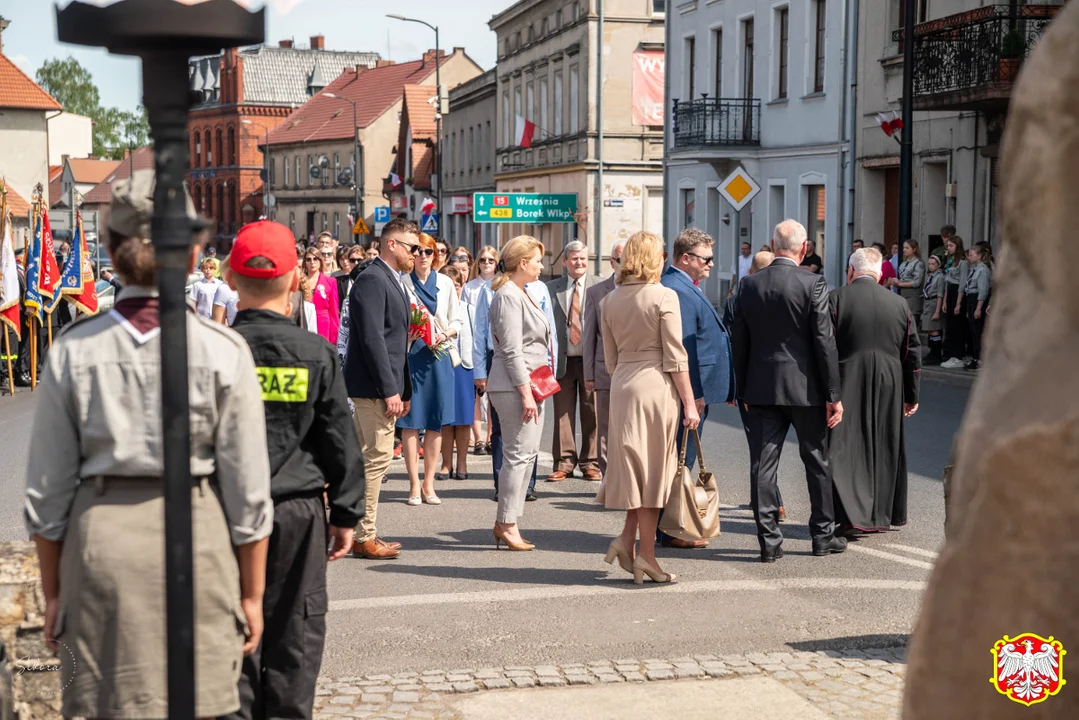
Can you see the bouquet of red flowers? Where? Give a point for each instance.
(422, 326)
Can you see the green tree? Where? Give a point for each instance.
(114, 130)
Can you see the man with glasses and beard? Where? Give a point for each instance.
(704, 336)
(376, 368)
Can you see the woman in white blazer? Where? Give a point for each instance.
(464, 391)
(432, 376)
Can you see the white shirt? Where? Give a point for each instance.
(471, 291)
(203, 292)
(227, 298)
(744, 264)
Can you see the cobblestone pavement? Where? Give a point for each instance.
(847, 684)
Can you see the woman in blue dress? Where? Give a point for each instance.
(457, 431)
(432, 377)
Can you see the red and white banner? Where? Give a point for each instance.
(890, 123)
(9, 278)
(648, 87)
(524, 132)
(460, 205)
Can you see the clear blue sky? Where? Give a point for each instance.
(347, 25)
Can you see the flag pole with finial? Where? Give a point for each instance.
(5, 228)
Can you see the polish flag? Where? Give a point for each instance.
(525, 130)
(9, 278)
(395, 180)
(890, 123)
(427, 207)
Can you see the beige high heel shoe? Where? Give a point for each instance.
(617, 550)
(641, 568)
(500, 537)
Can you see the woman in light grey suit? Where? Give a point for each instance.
(521, 337)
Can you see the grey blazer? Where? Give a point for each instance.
(595, 367)
(521, 336)
(559, 289)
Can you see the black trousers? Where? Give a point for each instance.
(768, 426)
(278, 679)
(956, 327)
(976, 325)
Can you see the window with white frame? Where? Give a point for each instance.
(506, 137)
(285, 165)
(574, 100)
(530, 101)
(471, 147)
(691, 68)
(782, 44)
(659, 7)
(488, 147)
(717, 63)
(516, 109)
(689, 207)
(747, 58)
(557, 104)
(543, 110)
(819, 23)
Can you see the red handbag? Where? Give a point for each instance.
(543, 382)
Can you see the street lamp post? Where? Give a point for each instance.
(438, 114)
(906, 148)
(165, 33)
(356, 164)
(266, 186)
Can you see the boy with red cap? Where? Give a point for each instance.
(313, 448)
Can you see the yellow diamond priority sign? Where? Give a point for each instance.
(739, 188)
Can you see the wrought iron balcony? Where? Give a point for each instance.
(969, 61)
(710, 122)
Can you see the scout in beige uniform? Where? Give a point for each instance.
(94, 496)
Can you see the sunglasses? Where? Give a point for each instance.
(423, 251)
(442, 251)
(460, 258)
(328, 256)
(487, 261)
(706, 260)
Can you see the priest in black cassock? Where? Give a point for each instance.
(880, 370)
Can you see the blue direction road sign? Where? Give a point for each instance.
(430, 223)
(382, 214)
(524, 207)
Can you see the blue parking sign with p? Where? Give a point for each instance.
(382, 214)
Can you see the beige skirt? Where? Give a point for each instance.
(111, 626)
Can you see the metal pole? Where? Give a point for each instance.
(438, 131)
(667, 140)
(165, 98)
(906, 156)
(737, 245)
(268, 186)
(355, 167)
(599, 144)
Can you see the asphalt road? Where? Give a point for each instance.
(451, 601)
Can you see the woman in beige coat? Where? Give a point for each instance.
(642, 345)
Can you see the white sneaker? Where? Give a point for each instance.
(952, 364)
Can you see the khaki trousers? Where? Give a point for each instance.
(375, 432)
(564, 450)
(603, 419)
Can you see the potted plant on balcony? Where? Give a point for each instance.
(1013, 48)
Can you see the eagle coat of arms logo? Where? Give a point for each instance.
(1028, 668)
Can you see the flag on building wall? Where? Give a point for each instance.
(890, 123)
(648, 87)
(9, 275)
(524, 132)
(77, 280)
(395, 180)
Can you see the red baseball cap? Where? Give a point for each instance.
(266, 239)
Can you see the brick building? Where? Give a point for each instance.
(246, 93)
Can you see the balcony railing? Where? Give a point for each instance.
(972, 58)
(710, 122)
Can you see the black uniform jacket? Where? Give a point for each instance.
(309, 431)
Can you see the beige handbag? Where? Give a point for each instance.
(692, 510)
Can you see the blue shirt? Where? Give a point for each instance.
(482, 342)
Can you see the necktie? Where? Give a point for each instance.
(575, 317)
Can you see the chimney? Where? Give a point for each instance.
(384, 63)
(287, 44)
(318, 42)
(4, 22)
(360, 70)
(429, 56)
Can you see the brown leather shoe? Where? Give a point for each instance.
(556, 476)
(374, 549)
(684, 544)
(391, 545)
(593, 475)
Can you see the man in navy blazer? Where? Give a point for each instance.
(704, 336)
(376, 367)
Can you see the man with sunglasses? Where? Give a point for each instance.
(376, 368)
(704, 336)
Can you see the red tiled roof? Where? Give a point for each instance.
(17, 90)
(15, 203)
(55, 171)
(375, 91)
(56, 188)
(419, 105)
(92, 170)
(142, 159)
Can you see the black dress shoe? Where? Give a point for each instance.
(530, 496)
(832, 546)
(22, 380)
(771, 557)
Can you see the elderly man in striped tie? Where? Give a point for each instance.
(568, 293)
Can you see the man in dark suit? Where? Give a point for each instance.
(596, 379)
(568, 293)
(703, 334)
(788, 374)
(376, 367)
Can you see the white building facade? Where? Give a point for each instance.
(758, 85)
